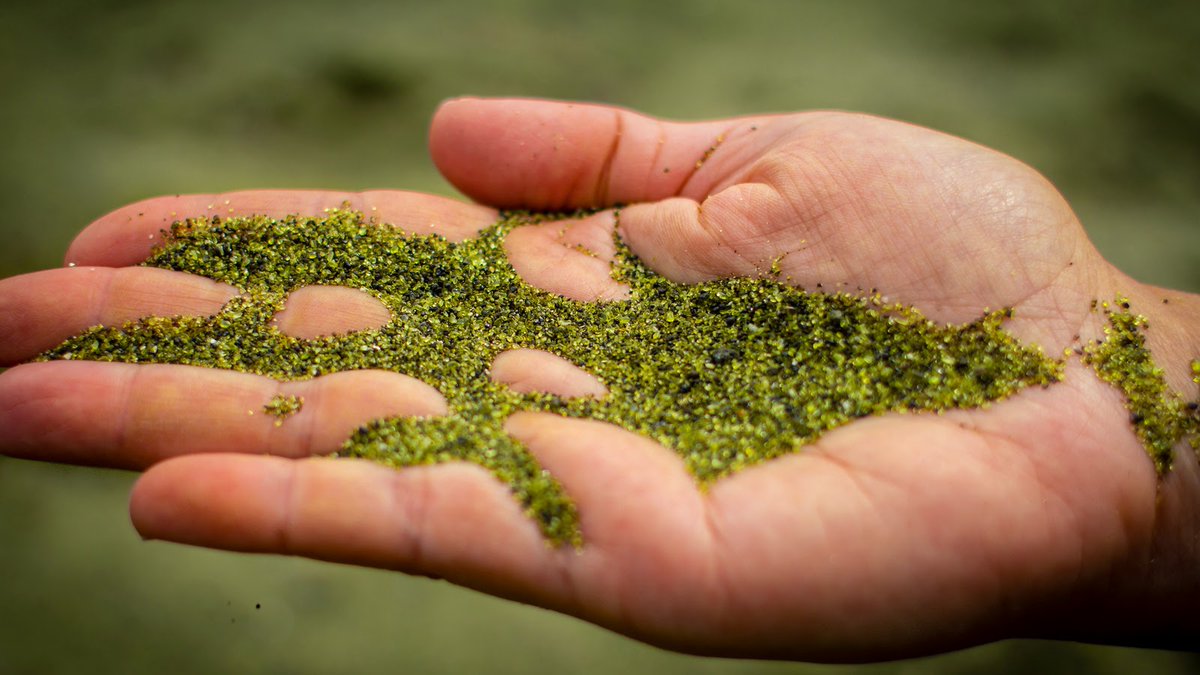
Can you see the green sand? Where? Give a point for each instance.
(726, 373)
(1160, 417)
(283, 407)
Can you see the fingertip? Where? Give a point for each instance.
(144, 513)
(41, 420)
(534, 370)
(110, 240)
(445, 130)
(168, 499)
(526, 153)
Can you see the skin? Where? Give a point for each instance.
(893, 536)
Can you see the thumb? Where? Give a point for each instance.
(550, 155)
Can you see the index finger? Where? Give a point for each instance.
(127, 235)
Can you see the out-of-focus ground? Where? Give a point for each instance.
(105, 102)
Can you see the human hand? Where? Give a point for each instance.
(894, 535)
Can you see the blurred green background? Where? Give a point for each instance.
(108, 101)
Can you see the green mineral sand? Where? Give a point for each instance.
(1159, 415)
(283, 407)
(726, 373)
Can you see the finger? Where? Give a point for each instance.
(646, 553)
(550, 155)
(318, 311)
(40, 310)
(571, 258)
(532, 370)
(128, 235)
(452, 520)
(132, 415)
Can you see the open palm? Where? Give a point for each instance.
(891, 536)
